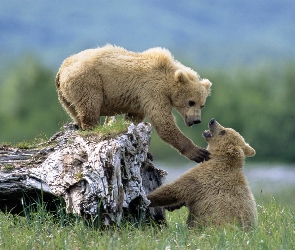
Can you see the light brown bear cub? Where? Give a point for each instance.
(110, 80)
(216, 192)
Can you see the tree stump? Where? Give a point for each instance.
(97, 178)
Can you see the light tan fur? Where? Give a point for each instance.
(110, 80)
(216, 192)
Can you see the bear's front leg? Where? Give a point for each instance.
(165, 195)
(196, 154)
(169, 132)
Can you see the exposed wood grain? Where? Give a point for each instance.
(97, 178)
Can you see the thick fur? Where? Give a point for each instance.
(111, 80)
(216, 192)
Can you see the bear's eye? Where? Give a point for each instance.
(222, 132)
(191, 103)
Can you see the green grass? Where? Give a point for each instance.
(41, 230)
(35, 143)
(105, 130)
(276, 230)
(8, 167)
(108, 130)
(28, 144)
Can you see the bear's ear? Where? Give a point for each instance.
(207, 84)
(181, 76)
(249, 151)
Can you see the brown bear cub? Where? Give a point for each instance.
(216, 192)
(110, 80)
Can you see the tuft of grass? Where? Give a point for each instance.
(25, 145)
(30, 144)
(8, 167)
(283, 195)
(40, 230)
(5, 145)
(79, 176)
(108, 129)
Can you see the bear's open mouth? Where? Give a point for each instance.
(207, 133)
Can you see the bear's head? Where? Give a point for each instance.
(190, 95)
(226, 142)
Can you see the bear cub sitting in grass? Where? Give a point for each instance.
(216, 192)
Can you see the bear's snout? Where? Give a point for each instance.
(207, 134)
(214, 126)
(197, 121)
(191, 121)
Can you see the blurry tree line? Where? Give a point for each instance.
(257, 102)
(29, 107)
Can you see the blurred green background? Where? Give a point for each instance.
(245, 48)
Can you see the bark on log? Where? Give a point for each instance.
(104, 178)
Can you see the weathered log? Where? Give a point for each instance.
(105, 178)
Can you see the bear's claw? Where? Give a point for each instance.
(204, 155)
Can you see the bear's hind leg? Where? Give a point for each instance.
(191, 220)
(88, 122)
(194, 220)
(69, 107)
(88, 113)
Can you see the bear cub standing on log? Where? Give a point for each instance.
(216, 192)
(110, 80)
